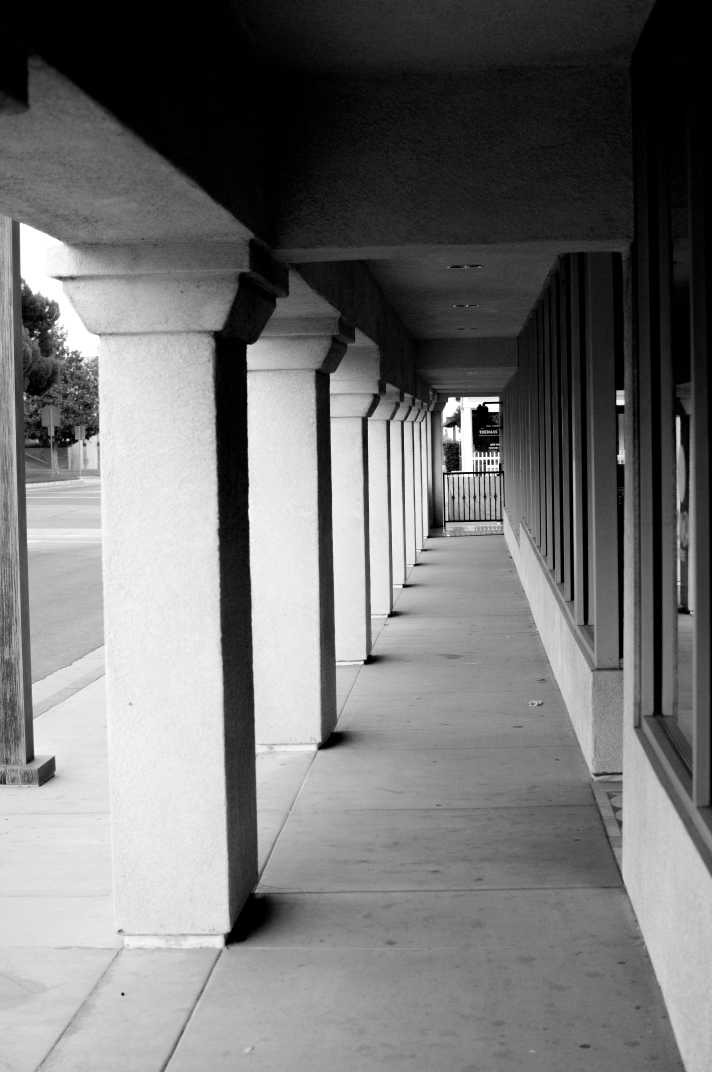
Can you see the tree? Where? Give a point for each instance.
(55, 375)
(43, 342)
(453, 421)
(76, 393)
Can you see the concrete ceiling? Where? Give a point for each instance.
(502, 126)
(440, 36)
(424, 289)
(467, 367)
(392, 137)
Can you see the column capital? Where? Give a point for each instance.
(360, 371)
(353, 405)
(388, 403)
(303, 344)
(385, 409)
(414, 411)
(403, 409)
(166, 288)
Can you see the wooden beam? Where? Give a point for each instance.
(18, 764)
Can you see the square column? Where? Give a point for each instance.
(466, 444)
(418, 480)
(379, 507)
(395, 434)
(176, 581)
(350, 519)
(427, 472)
(18, 763)
(409, 486)
(436, 439)
(291, 550)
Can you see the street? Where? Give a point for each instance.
(64, 548)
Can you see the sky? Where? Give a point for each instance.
(33, 250)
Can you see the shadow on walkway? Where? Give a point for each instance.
(441, 896)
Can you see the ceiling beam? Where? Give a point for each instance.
(512, 155)
(467, 366)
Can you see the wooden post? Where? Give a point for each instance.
(18, 763)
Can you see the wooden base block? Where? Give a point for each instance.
(37, 772)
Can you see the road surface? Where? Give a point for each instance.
(64, 548)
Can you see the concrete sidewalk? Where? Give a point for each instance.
(439, 893)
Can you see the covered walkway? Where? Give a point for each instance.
(441, 896)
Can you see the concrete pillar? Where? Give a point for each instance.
(466, 445)
(421, 464)
(418, 479)
(291, 551)
(379, 506)
(349, 496)
(395, 431)
(428, 468)
(409, 486)
(18, 763)
(436, 425)
(176, 578)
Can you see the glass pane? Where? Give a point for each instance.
(679, 719)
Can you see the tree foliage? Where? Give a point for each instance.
(451, 456)
(453, 421)
(43, 342)
(54, 374)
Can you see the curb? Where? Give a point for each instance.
(63, 684)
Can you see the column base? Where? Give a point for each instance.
(175, 941)
(351, 662)
(272, 746)
(35, 773)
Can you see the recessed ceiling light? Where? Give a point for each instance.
(464, 305)
(464, 267)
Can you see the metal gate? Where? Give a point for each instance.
(473, 496)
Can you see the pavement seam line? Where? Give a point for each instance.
(191, 1014)
(282, 825)
(72, 1019)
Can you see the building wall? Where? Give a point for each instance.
(559, 446)
(670, 885)
(667, 752)
(593, 698)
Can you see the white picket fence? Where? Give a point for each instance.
(485, 461)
